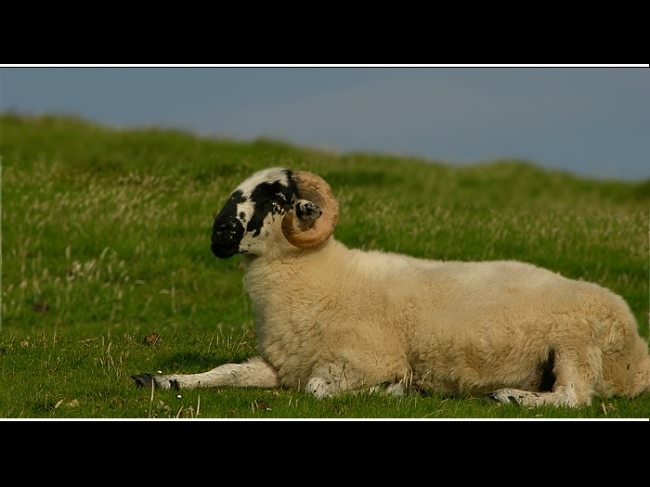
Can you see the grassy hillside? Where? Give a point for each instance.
(106, 234)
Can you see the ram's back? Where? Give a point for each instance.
(475, 326)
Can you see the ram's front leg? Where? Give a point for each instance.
(255, 372)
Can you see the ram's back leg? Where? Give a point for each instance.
(255, 372)
(576, 371)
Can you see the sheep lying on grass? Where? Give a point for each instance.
(330, 319)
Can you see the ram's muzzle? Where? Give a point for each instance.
(227, 233)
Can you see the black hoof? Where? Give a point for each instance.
(143, 380)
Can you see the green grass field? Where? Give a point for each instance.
(106, 239)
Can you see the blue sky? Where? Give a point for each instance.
(591, 121)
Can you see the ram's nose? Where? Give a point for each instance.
(226, 236)
(225, 232)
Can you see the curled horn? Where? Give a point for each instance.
(312, 188)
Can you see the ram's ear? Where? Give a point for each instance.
(301, 218)
(307, 213)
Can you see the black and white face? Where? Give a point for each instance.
(246, 219)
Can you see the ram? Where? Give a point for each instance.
(330, 319)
